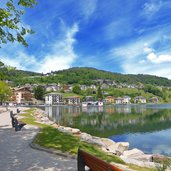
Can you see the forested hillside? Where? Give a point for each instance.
(88, 75)
(78, 76)
(12, 74)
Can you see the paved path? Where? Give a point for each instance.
(17, 155)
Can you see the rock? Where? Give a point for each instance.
(113, 148)
(75, 131)
(95, 141)
(139, 163)
(62, 129)
(132, 153)
(107, 142)
(104, 149)
(68, 129)
(90, 139)
(158, 158)
(122, 146)
(144, 157)
(85, 136)
(118, 148)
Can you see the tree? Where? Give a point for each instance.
(99, 93)
(76, 89)
(39, 93)
(5, 92)
(11, 28)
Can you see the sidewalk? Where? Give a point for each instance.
(17, 155)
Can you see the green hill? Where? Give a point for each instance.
(88, 75)
(12, 74)
(78, 76)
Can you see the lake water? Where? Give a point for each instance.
(146, 127)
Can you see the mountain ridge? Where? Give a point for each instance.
(80, 75)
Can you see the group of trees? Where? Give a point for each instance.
(5, 92)
(86, 76)
(11, 27)
(154, 90)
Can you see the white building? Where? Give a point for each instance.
(139, 99)
(126, 100)
(119, 100)
(53, 98)
(75, 100)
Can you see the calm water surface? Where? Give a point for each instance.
(147, 127)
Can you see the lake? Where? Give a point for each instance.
(146, 127)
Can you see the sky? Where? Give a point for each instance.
(129, 37)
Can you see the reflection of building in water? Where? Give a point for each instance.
(75, 111)
(54, 113)
(93, 109)
(48, 111)
(140, 108)
(110, 110)
(123, 109)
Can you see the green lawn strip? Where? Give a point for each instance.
(50, 137)
(138, 168)
(28, 118)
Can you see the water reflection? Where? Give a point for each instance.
(132, 123)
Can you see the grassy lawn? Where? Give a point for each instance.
(50, 137)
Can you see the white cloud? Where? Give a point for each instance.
(60, 55)
(152, 57)
(147, 49)
(87, 8)
(18, 58)
(152, 7)
(140, 57)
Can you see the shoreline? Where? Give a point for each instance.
(120, 149)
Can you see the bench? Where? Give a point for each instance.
(15, 123)
(12, 116)
(94, 163)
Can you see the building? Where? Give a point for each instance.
(140, 99)
(21, 95)
(53, 98)
(75, 100)
(89, 98)
(109, 99)
(127, 99)
(67, 88)
(119, 100)
(153, 100)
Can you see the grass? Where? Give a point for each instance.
(29, 118)
(135, 167)
(50, 137)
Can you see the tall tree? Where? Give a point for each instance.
(99, 93)
(76, 89)
(11, 28)
(5, 92)
(39, 92)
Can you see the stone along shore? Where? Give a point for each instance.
(121, 149)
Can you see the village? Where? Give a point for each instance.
(62, 94)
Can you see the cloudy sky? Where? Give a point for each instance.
(130, 36)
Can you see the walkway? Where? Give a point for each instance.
(17, 155)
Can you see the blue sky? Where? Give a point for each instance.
(130, 37)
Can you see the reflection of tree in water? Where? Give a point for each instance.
(107, 124)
